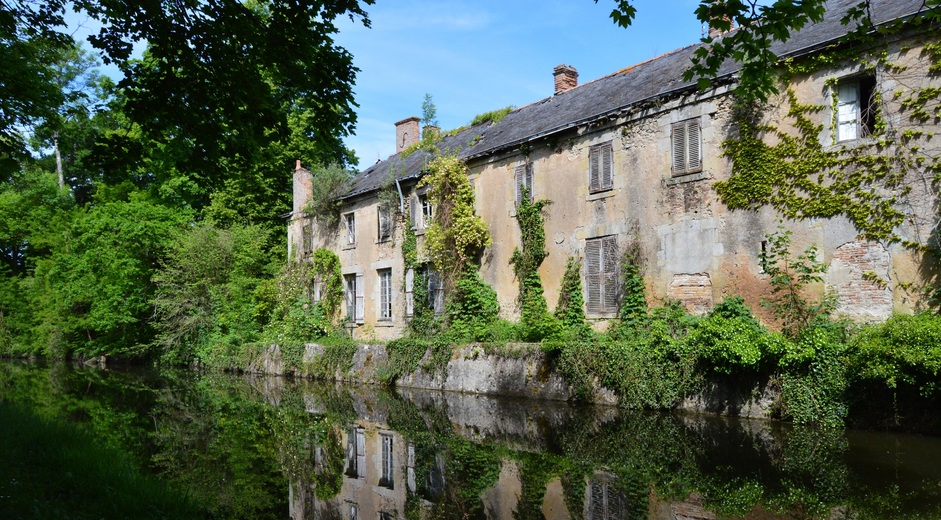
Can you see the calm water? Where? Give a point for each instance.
(258, 447)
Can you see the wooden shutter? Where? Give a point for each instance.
(679, 148)
(360, 309)
(607, 167)
(413, 211)
(595, 182)
(693, 147)
(409, 293)
(519, 174)
(530, 189)
(847, 111)
(609, 260)
(592, 274)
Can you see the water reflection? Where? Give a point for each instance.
(257, 447)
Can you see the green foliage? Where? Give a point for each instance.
(328, 184)
(212, 291)
(814, 379)
(94, 291)
(570, 309)
(633, 309)
(731, 341)
(327, 274)
(472, 308)
(790, 277)
(536, 321)
(492, 117)
(905, 350)
(456, 236)
(296, 317)
(406, 354)
(429, 112)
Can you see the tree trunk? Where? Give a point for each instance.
(55, 144)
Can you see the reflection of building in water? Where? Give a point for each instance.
(605, 501)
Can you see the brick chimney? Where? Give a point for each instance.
(406, 133)
(303, 181)
(566, 78)
(714, 31)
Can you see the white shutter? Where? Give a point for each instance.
(679, 148)
(409, 293)
(607, 166)
(361, 452)
(592, 274)
(360, 310)
(847, 111)
(693, 146)
(595, 182)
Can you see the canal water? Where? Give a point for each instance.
(269, 447)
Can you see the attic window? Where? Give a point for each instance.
(855, 108)
(687, 147)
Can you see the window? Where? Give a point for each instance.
(350, 221)
(422, 211)
(385, 479)
(354, 297)
(600, 173)
(385, 294)
(523, 182)
(356, 453)
(409, 293)
(601, 261)
(435, 292)
(306, 239)
(687, 147)
(855, 108)
(385, 224)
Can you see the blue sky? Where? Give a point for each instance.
(477, 56)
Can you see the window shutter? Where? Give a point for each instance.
(360, 310)
(610, 268)
(592, 274)
(847, 111)
(595, 181)
(530, 190)
(361, 453)
(693, 144)
(519, 175)
(679, 148)
(413, 210)
(607, 167)
(409, 293)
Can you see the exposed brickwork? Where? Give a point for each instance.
(406, 133)
(566, 78)
(694, 291)
(858, 296)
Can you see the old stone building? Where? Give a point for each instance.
(637, 157)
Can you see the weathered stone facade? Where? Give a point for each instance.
(666, 153)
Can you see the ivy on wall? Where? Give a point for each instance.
(526, 259)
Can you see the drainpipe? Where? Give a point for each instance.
(401, 197)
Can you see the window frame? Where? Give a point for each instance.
(349, 220)
(863, 117)
(386, 461)
(601, 167)
(523, 176)
(385, 295)
(602, 283)
(384, 224)
(353, 290)
(686, 146)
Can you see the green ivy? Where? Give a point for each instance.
(536, 321)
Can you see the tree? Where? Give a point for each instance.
(759, 27)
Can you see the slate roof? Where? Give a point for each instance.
(655, 78)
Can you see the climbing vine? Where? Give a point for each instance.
(570, 310)
(526, 259)
(790, 169)
(326, 273)
(457, 236)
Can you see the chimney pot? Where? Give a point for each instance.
(406, 133)
(566, 78)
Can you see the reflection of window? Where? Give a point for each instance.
(350, 221)
(356, 454)
(605, 502)
(386, 516)
(352, 512)
(601, 261)
(354, 297)
(386, 478)
(855, 108)
(687, 147)
(385, 294)
(600, 175)
(385, 224)
(523, 182)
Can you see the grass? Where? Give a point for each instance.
(51, 469)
